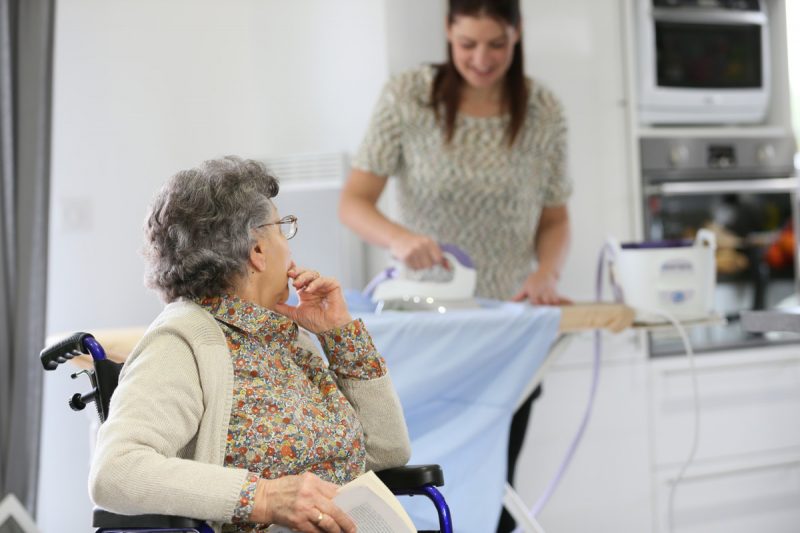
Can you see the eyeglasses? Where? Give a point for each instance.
(288, 225)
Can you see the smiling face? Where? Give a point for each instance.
(482, 49)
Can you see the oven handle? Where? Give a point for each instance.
(758, 186)
(708, 16)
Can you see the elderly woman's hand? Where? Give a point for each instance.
(321, 303)
(304, 503)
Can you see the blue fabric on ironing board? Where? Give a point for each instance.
(459, 376)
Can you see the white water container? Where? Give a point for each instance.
(676, 277)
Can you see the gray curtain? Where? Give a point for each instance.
(26, 43)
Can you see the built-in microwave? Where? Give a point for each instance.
(703, 61)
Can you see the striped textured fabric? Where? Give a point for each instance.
(476, 192)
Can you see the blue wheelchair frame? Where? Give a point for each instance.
(405, 480)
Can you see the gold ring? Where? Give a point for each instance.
(320, 516)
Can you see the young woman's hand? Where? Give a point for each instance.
(540, 289)
(321, 303)
(416, 251)
(303, 503)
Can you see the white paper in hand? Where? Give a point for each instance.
(371, 505)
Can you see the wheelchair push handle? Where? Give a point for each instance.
(73, 346)
(103, 375)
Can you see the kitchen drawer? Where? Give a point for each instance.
(748, 404)
(756, 495)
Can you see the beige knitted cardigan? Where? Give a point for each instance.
(161, 450)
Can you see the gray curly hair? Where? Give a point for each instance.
(198, 231)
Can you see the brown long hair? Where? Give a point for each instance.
(448, 82)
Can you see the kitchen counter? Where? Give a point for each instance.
(787, 320)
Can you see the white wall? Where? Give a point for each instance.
(576, 49)
(144, 88)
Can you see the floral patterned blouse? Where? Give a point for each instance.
(288, 415)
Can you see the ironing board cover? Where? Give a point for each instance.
(459, 376)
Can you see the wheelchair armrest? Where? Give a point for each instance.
(105, 519)
(412, 476)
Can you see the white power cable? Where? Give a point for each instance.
(607, 250)
(550, 489)
(687, 346)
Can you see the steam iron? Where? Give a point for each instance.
(433, 289)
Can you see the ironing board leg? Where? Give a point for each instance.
(517, 509)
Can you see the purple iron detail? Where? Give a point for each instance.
(459, 254)
(389, 273)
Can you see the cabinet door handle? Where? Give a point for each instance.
(689, 188)
(726, 472)
(731, 366)
(696, 16)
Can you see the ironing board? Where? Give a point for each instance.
(459, 377)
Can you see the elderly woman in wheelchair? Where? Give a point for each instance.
(224, 411)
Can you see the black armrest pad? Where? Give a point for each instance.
(412, 476)
(103, 518)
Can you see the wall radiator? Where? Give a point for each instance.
(310, 189)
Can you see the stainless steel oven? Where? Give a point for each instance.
(744, 189)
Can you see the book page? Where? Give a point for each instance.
(371, 505)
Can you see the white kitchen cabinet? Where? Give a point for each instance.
(607, 487)
(746, 476)
(746, 473)
(749, 401)
(754, 493)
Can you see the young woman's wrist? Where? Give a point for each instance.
(396, 234)
(550, 272)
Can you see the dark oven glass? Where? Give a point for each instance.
(755, 258)
(708, 55)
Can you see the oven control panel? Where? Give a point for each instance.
(677, 158)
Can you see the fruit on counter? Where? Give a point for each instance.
(780, 253)
(725, 238)
(730, 261)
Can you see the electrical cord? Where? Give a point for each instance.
(549, 490)
(608, 251)
(687, 346)
(576, 439)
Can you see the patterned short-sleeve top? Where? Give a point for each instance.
(288, 414)
(476, 192)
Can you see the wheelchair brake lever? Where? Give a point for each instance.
(79, 401)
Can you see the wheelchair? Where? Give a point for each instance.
(403, 481)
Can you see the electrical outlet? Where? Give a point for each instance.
(76, 214)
